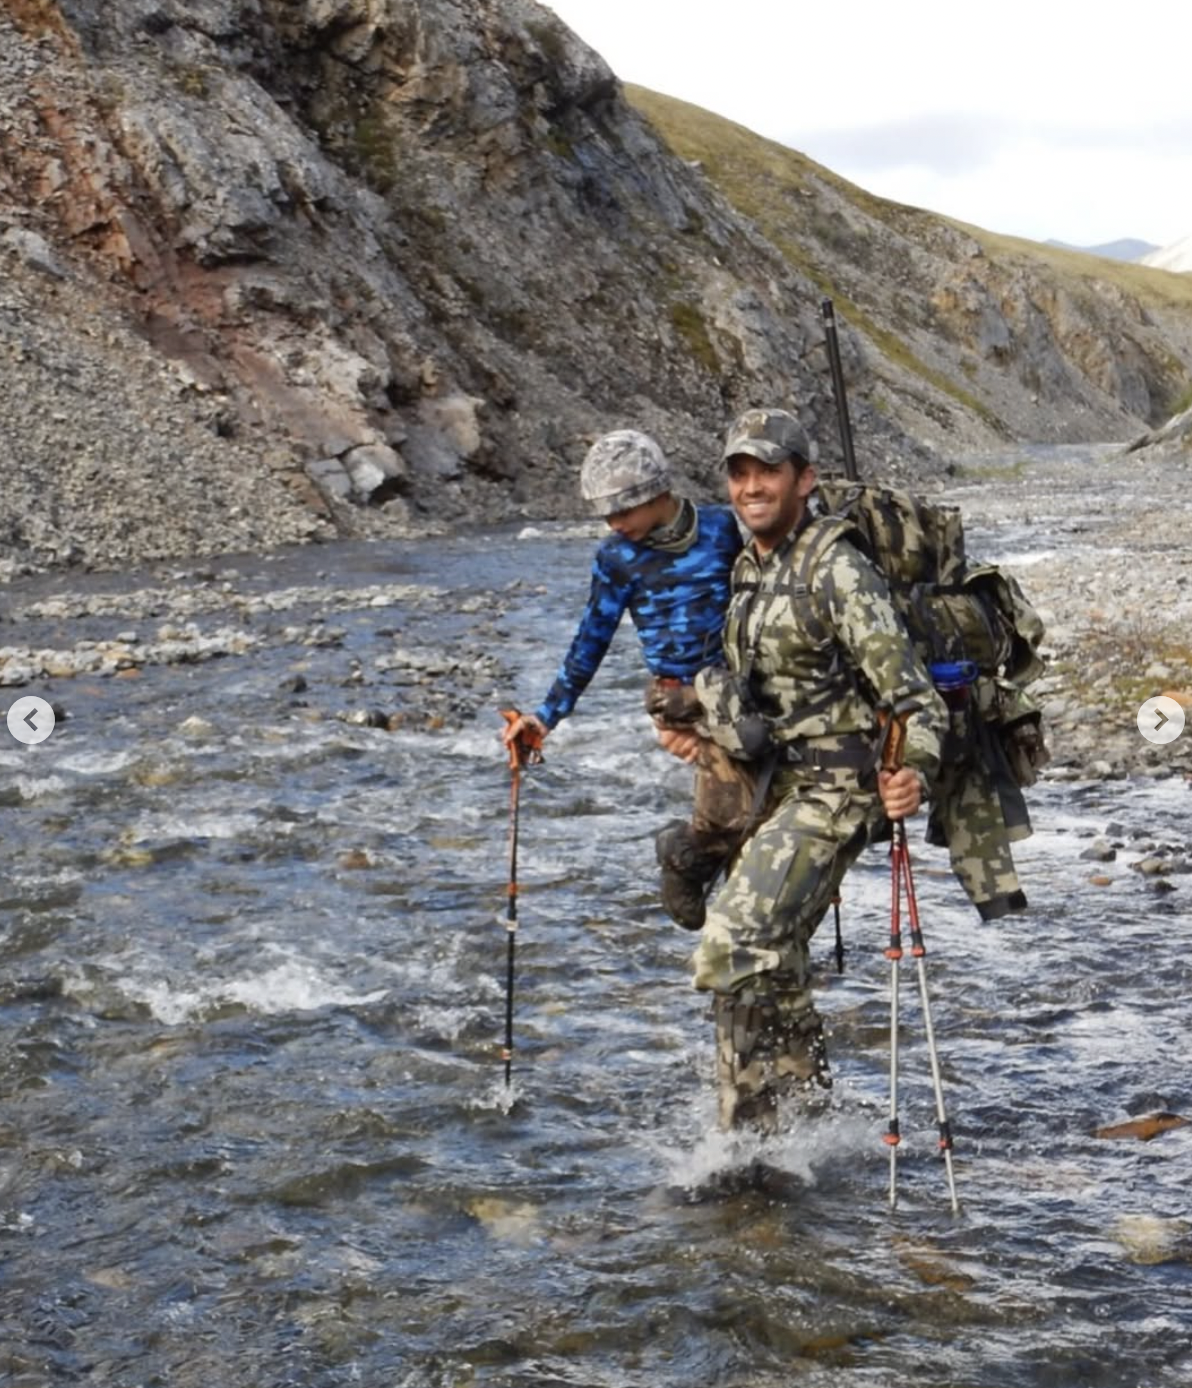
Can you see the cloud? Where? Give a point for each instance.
(943, 145)
(1033, 119)
(1056, 178)
(961, 142)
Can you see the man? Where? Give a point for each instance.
(668, 564)
(813, 640)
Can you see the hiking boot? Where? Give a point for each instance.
(689, 862)
(762, 1054)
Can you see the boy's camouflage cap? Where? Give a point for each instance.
(771, 436)
(623, 469)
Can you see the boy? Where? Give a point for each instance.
(668, 563)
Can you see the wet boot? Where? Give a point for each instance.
(763, 1052)
(689, 861)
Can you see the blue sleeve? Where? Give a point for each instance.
(608, 598)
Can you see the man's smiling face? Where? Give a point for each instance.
(769, 498)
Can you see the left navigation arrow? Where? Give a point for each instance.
(31, 720)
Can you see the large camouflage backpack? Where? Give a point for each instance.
(956, 614)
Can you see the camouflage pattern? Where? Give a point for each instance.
(760, 923)
(919, 547)
(1024, 663)
(675, 586)
(977, 807)
(622, 470)
(818, 659)
(771, 436)
(954, 612)
(811, 661)
(966, 816)
(1024, 742)
(914, 541)
(675, 595)
(767, 1045)
(730, 717)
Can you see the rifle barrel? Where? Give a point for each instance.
(838, 391)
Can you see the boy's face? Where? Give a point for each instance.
(637, 522)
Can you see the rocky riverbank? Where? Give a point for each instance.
(336, 647)
(1095, 536)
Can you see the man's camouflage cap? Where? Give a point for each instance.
(771, 436)
(623, 469)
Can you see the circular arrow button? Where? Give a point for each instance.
(31, 719)
(1161, 719)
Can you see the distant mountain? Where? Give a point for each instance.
(1177, 256)
(1127, 248)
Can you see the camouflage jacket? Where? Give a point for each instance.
(821, 655)
(676, 595)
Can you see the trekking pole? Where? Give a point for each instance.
(900, 873)
(892, 1135)
(900, 858)
(919, 954)
(839, 935)
(525, 749)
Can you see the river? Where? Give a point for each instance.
(254, 1127)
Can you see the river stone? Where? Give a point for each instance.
(1100, 852)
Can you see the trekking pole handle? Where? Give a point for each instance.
(526, 748)
(893, 739)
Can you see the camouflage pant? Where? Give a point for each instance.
(763, 1052)
(724, 787)
(760, 923)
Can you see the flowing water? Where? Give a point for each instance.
(254, 1129)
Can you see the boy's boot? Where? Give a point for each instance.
(690, 861)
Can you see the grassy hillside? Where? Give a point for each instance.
(765, 180)
(886, 265)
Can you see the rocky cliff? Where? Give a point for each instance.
(276, 269)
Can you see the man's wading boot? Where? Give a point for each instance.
(763, 1053)
(689, 861)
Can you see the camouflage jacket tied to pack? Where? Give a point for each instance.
(816, 658)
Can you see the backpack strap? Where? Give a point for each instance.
(798, 580)
(815, 599)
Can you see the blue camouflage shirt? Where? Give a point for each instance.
(675, 595)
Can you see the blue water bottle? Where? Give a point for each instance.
(953, 679)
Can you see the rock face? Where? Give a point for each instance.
(276, 269)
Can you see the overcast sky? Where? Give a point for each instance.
(1040, 118)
